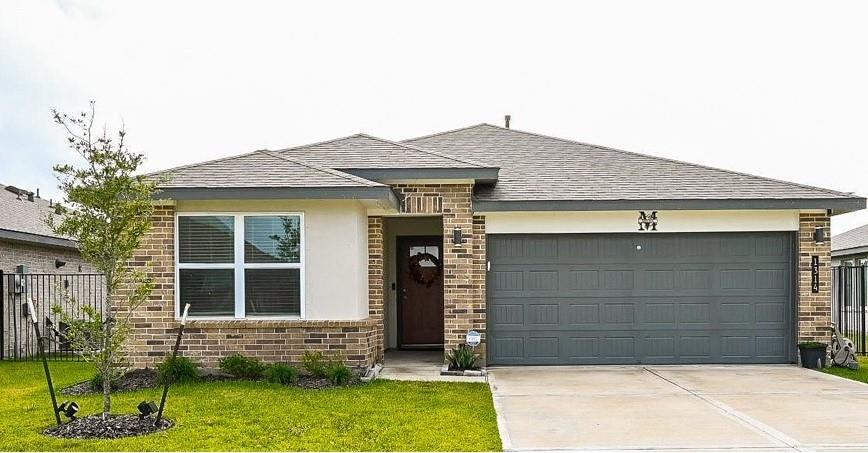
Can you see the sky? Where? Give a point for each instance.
(777, 89)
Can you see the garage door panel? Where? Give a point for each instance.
(585, 299)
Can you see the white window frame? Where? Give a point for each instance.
(239, 265)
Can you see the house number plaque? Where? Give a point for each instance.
(815, 274)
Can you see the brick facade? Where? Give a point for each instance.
(206, 342)
(814, 313)
(463, 264)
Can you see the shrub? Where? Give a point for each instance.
(243, 367)
(96, 381)
(182, 370)
(314, 363)
(280, 373)
(812, 345)
(338, 373)
(462, 358)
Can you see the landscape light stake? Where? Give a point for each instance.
(171, 374)
(40, 343)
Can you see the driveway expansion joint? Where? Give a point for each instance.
(752, 423)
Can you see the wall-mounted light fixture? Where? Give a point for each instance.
(819, 236)
(457, 237)
(58, 263)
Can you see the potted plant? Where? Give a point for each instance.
(813, 354)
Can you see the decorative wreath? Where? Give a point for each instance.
(416, 269)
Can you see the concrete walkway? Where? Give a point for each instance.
(419, 366)
(771, 408)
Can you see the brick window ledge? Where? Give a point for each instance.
(276, 323)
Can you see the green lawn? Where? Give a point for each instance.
(860, 375)
(383, 415)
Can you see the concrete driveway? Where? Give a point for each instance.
(678, 407)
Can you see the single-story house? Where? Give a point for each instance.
(851, 247)
(36, 260)
(555, 251)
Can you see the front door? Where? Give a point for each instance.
(420, 291)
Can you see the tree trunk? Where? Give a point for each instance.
(107, 371)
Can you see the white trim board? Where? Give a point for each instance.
(627, 221)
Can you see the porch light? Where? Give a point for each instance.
(819, 236)
(457, 239)
(68, 408)
(146, 408)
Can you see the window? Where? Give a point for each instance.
(241, 265)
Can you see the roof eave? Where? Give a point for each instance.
(30, 238)
(850, 251)
(480, 175)
(837, 205)
(378, 193)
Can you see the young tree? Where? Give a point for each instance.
(107, 208)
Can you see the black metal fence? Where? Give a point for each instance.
(849, 290)
(70, 292)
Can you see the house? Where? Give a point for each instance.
(555, 251)
(26, 240)
(29, 246)
(851, 248)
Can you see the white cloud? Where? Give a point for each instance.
(771, 88)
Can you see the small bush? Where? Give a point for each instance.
(96, 381)
(462, 358)
(280, 373)
(182, 370)
(243, 367)
(338, 373)
(314, 363)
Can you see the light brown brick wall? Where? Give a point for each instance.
(463, 264)
(206, 342)
(376, 290)
(814, 309)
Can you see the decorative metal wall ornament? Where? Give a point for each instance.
(647, 222)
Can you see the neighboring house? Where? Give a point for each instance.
(556, 251)
(29, 246)
(26, 240)
(851, 248)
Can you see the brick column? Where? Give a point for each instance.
(463, 268)
(375, 283)
(815, 309)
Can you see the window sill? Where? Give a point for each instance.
(253, 323)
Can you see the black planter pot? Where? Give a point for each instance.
(813, 356)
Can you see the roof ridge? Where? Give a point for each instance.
(427, 151)
(666, 159)
(319, 168)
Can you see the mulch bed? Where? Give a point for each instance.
(111, 427)
(141, 379)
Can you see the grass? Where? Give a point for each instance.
(860, 375)
(257, 416)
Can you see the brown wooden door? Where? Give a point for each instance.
(420, 291)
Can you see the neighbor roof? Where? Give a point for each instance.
(24, 220)
(542, 172)
(850, 242)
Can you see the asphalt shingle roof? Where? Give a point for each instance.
(24, 216)
(855, 238)
(259, 169)
(538, 167)
(364, 151)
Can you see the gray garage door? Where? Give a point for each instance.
(640, 298)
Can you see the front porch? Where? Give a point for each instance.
(426, 269)
(404, 365)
